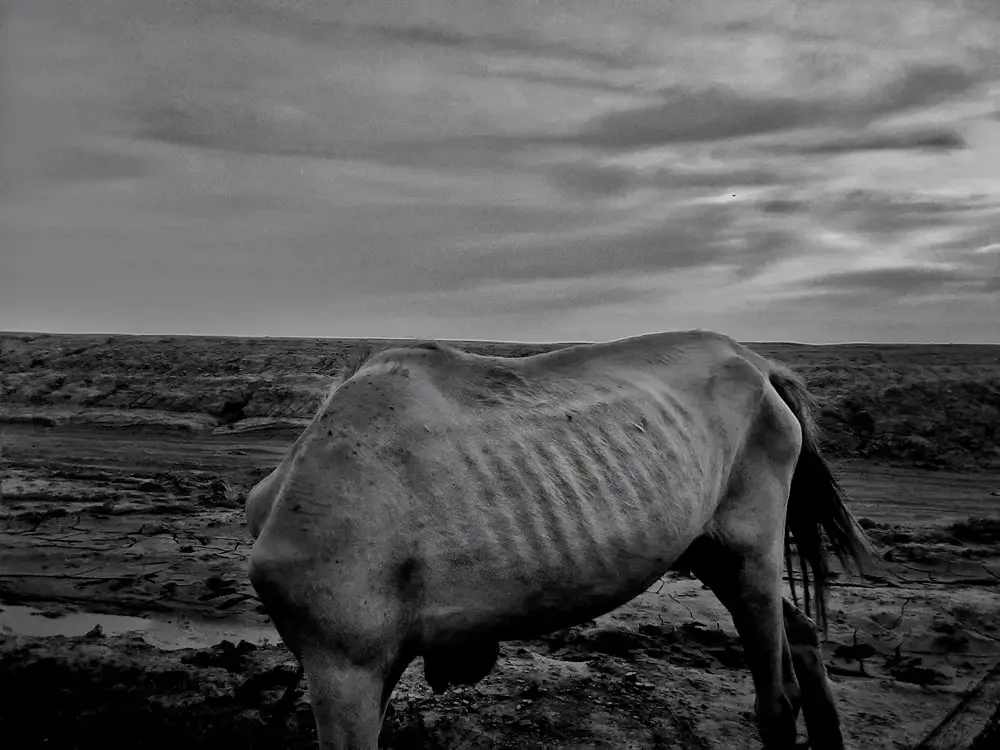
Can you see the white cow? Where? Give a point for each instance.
(440, 502)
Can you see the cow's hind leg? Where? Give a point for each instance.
(818, 706)
(740, 558)
(747, 584)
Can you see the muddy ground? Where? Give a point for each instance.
(149, 521)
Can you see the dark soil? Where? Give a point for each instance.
(125, 465)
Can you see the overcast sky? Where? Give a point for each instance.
(806, 170)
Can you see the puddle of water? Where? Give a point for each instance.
(168, 635)
(29, 621)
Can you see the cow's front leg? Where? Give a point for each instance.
(347, 699)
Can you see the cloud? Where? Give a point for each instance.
(475, 28)
(719, 113)
(708, 236)
(906, 218)
(298, 22)
(95, 164)
(937, 139)
(900, 281)
(920, 85)
(242, 125)
(756, 249)
(561, 80)
(977, 242)
(566, 299)
(693, 116)
(543, 297)
(495, 152)
(317, 101)
(232, 77)
(312, 27)
(348, 82)
(783, 206)
(886, 214)
(663, 247)
(723, 176)
(976, 248)
(396, 108)
(523, 43)
(225, 123)
(587, 179)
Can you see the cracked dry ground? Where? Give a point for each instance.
(149, 522)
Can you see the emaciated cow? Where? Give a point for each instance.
(440, 502)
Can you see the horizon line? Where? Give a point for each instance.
(478, 341)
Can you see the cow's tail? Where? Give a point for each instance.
(816, 507)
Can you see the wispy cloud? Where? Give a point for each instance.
(920, 85)
(594, 179)
(548, 296)
(687, 116)
(885, 214)
(926, 139)
(588, 179)
(549, 79)
(74, 164)
(703, 236)
(658, 246)
(899, 281)
(525, 43)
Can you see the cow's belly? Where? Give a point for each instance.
(506, 603)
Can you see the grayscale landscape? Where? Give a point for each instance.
(211, 211)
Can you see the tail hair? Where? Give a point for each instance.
(816, 507)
